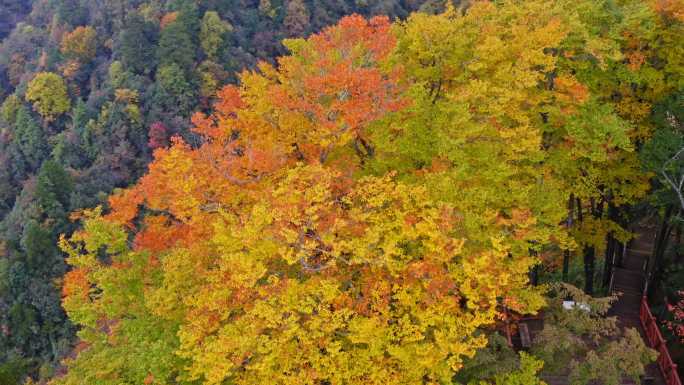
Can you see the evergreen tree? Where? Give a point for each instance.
(30, 138)
(297, 19)
(137, 43)
(39, 246)
(53, 191)
(176, 47)
(179, 39)
(9, 109)
(211, 34)
(72, 12)
(173, 90)
(188, 16)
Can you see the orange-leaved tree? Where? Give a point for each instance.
(261, 256)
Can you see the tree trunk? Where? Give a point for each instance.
(660, 238)
(610, 248)
(608, 260)
(589, 269)
(566, 265)
(568, 225)
(534, 275)
(621, 247)
(660, 261)
(589, 256)
(678, 240)
(659, 250)
(534, 272)
(590, 251)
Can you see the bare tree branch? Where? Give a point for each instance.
(676, 182)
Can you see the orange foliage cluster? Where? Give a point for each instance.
(670, 8)
(337, 92)
(168, 19)
(570, 90)
(76, 283)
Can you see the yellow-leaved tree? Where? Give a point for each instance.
(265, 256)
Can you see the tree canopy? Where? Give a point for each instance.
(48, 93)
(362, 210)
(272, 192)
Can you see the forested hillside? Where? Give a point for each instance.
(89, 88)
(11, 12)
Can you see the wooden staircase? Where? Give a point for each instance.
(628, 279)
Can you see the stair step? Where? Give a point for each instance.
(628, 291)
(639, 251)
(625, 270)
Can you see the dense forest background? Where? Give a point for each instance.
(114, 79)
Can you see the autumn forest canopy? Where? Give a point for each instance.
(376, 202)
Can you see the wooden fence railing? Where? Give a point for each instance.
(656, 341)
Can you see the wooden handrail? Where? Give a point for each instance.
(656, 341)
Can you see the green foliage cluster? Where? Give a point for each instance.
(581, 344)
(586, 344)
